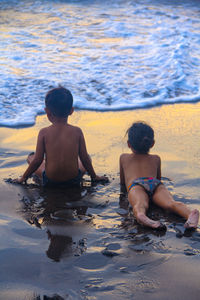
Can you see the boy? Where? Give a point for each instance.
(140, 172)
(63, 145)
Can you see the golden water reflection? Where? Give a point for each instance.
(176, 128)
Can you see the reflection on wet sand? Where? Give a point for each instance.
(96, 242)
(62, 213)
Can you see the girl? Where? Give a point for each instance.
(140, 172)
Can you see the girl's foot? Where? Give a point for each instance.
(193, 219)
(144, 220)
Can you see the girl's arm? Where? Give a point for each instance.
(122, 177)
(159, 169)
(38, 159)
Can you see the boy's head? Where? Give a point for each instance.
(59, 101)
(140, 137)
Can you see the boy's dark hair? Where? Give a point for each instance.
(59, 101)
(140, 137)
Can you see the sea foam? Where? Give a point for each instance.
(114, 55)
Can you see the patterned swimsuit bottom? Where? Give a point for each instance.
(149, 184)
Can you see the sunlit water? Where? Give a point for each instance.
(112, 55)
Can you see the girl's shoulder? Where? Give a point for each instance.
(155, 157)
(125, 156)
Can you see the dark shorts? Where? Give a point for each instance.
(149, 184)
(71, 182)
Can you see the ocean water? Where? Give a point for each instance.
(112, 54)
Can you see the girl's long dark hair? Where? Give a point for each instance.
(140, 137)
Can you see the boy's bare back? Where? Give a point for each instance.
(61, 144)
(134, 165)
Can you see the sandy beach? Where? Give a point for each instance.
(86, 244)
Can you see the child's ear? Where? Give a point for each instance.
(49, 114)
(129, 145)
(72, 110)
(153, 144)
(47, 111)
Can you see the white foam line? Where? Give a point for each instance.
(29, 117)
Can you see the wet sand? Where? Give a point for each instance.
(69, 244)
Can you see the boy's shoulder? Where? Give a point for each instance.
(74, 127)
(75, 130)
(44, 130)
(47, 129)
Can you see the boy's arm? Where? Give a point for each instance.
(86, 161)
(38, 159)
(159, 168)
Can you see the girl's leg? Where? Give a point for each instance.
(139, 201)
(164, 199)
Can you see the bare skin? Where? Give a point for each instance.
(64, 148)
(135, 165)
(41, 168)
(193, 219)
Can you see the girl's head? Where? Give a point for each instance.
(140, 137)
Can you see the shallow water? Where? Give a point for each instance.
(112, 55)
